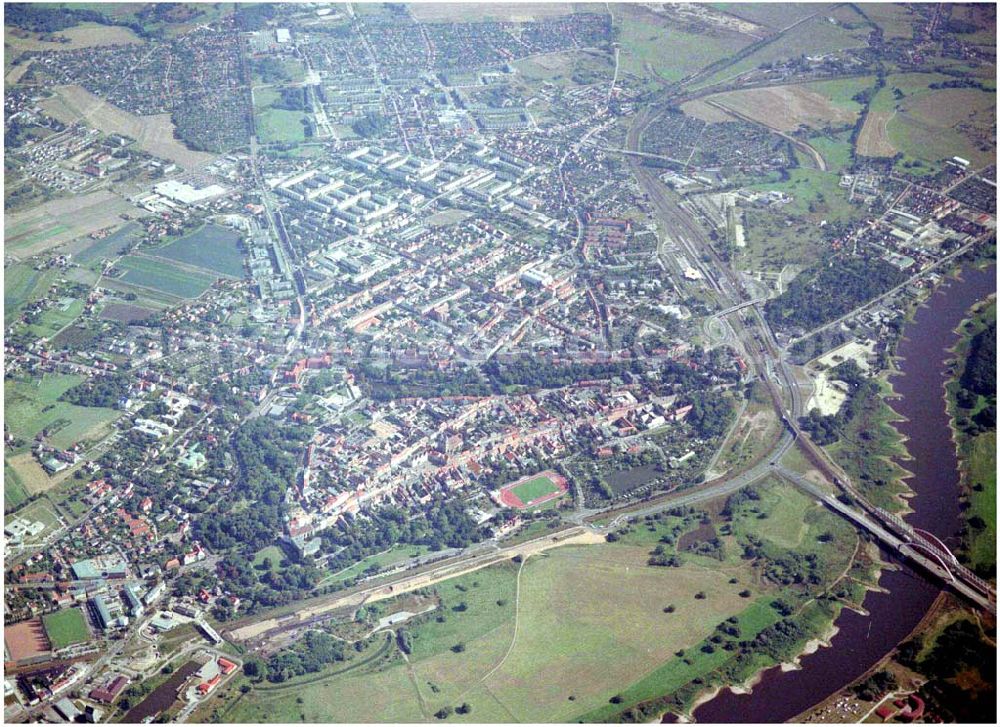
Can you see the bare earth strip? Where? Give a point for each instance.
(785, 108)
(58, 221)
(155, 134)
(873, 141)
(701, 110)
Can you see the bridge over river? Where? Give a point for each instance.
(919, 546)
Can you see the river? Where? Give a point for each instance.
(861, 641)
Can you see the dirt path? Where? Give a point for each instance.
(513, 640)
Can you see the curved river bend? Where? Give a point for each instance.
(861, 641)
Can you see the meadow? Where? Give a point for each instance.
(588, 618)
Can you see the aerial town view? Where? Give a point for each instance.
(500, 362)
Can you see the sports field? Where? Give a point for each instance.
(163, 277)
(534, 490)
(66, 627)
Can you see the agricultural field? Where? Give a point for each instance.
(495, 12)
(786, 108)
(58, 221)
(154, 134)
(26, 477)
(34, 406)
(125, 312)
(86, 251)
(211, 248)
(66, 627)
(895, 20)
(161, 276)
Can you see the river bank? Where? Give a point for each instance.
(904, 597)
(974, 437)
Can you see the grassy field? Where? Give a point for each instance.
(874, 454)
(14, 491)
(981, 458)
(66, 627)
(814, 188)
(163, 277)
(212, 248)
(32, 406)
(841, 92)
(774, 15)
(772, 244)
(386, 559)
(926, 124)
(280, 125)
(56, 318)
(21, 285)
(815, 36)
(835, 150)
(671, 54)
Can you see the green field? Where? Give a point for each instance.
(42, 511)
(212, 248)
(163, 277)
(534, 488)
(56, 318)
(280, 125)
(14, 493)
(32, 406)
(982, 463)
(66, 627)
(835, 150)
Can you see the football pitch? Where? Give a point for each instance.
(65, 627)
(534, 489)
